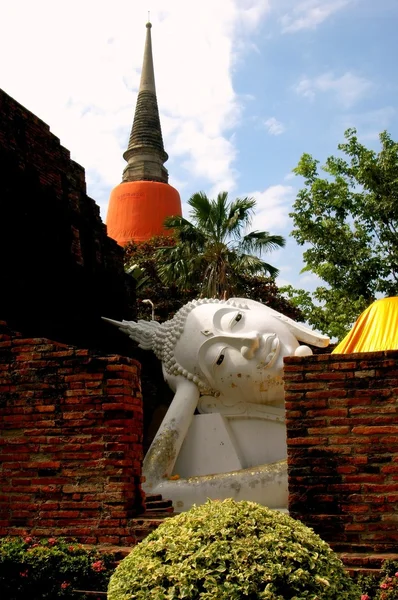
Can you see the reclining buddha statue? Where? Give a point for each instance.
(224, 433)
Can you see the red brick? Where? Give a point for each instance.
(327, 376)
(45, 409)
(372, 410)
(348, 402)
(304, 386)
(67, 514)
(390, 468)
(347, 366)
(355, 527)
(378, 430)
(83, 377)
(307, 441)
(326, 394)
(328, 412)
(328, 430)
(290, 370)
(356, 508)
(381, 489)
(347, 469)
(344, 487)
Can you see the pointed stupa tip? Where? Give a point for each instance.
(145, 153)
(147, 82)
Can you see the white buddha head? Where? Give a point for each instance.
(233, 348)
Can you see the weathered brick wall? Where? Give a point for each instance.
(342, 430)
(59, 271)
(70, 441)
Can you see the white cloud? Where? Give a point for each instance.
(348, 88)
(273, 207)
(289, 176)
(310, 13)
(274, 127)
(77, 66)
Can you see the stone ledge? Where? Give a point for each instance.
(366, 564)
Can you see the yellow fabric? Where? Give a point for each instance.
(376, 329)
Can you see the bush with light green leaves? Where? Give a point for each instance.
(230, 550)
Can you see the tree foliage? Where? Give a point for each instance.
(140, 257)
(325, 309)
(349, 218)
(265, 290)
(213, 249)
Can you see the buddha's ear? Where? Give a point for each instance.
(304, 333)
(300, 331)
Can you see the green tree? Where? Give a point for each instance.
(349, 218)
(264, 289)
(141, 263)
(326, 310)
(214, 249)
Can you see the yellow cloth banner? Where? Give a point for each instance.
(376, 329)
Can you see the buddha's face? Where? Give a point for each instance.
(238, 351)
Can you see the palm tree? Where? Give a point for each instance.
(214, 250)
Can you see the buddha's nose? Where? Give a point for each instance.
(250, 345)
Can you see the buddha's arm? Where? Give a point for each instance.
(162, 454)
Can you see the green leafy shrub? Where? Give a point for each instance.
(230, 550)
(383, 586)
(49, 569)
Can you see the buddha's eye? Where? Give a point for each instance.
(220, 359)
(234, 319)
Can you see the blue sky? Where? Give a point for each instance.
(244, 88)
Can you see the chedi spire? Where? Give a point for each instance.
(139, 205)
(145, 154)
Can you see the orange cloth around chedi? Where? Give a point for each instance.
(375, 330)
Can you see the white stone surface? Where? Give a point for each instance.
(208, 448)
(266, 484)
(259, 441)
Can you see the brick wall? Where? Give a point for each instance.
(342, 430)
(59, 271)
(70, 441)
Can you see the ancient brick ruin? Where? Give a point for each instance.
(70, 443)
(59, 270)
(71, 417)
(342, 430)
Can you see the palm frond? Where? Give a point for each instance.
(240, 215)
(178, 265)
(261, 241)
(220, 216)
(185, 231)
(200, 209)
(212, 249)
(248, 264)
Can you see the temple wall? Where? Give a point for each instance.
(59, 270)
(342, 435)
(70, 441)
